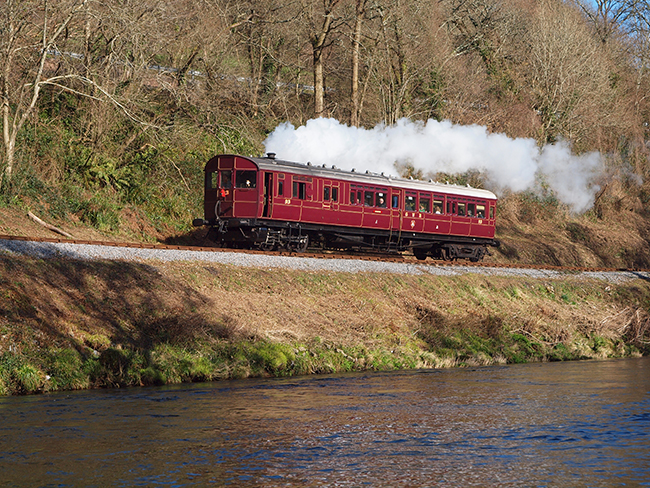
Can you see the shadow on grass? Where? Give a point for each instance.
(197, 237)
(114, 314)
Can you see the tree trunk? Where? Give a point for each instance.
(319, 97)
(318, 42)
(356, 44)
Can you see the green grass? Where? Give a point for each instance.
(65, 368)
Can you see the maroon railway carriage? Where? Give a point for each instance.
(271, 204)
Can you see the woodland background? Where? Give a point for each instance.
(111, 108)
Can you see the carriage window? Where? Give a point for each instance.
(437, 206)
(226, 179)
(335, 194)
(461, 209)
(471, 210)
(353, 197)
(425, 205)
(381, 200)
(491, 212)
(395, 202)
(326, 194)
(368, 199)
(410, 203)
(359, 197)
(480, 211)
(246, 179)
(299, 190)
(280, 188)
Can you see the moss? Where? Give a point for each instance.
(275, 359)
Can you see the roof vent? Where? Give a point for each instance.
(270, 155)
(353, 170)
(308, 163)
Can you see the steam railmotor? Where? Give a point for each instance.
(269, 204)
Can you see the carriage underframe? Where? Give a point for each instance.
(270, 235)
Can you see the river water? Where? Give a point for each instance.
(551, 424)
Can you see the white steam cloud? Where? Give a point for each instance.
(513, 164)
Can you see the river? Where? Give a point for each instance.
(548, 424)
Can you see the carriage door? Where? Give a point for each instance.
(268, 194)
(395, 210)
(335, 195)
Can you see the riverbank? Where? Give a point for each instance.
(67, 324)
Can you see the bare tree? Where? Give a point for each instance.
(568, 77)
(264, 28)
(30, 33)
(395, 90)
(359, 16)
(321, 23)
(637, 28)
(607, 16)
(404, 56)
(472, 24)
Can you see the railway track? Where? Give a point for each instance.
(383, 257)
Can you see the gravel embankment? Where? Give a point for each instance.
(46, 250)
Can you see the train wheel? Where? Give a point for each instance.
(480, 252)
(300, 245)
(420, 254)
(303, 244)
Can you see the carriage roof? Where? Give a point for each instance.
(332, 172)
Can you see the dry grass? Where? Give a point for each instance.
(613, 234)
(134, 323)
(138, 305)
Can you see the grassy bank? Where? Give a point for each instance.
(69, 324)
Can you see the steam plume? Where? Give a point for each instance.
(513, 164)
